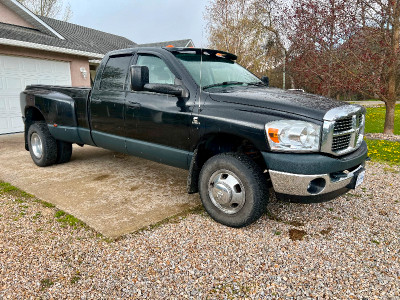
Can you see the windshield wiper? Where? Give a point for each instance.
(256, 83)
(223, 83)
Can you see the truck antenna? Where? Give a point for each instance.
(201, 65)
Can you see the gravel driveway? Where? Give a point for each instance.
(346, 248)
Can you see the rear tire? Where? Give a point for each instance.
(42, 145)
(64, 152)
(233, 189)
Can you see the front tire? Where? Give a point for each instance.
(42, 145)
(233, 189)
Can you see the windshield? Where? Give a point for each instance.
(216, 71)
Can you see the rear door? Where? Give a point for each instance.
(107, 104)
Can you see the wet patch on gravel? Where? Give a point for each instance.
(296, 234)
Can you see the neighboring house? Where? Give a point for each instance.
(40, 50)
(188, 43)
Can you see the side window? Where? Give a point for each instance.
(158, 70)
(114, 73)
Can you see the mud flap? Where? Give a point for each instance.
(193, 176)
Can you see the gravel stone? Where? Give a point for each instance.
(381, 136)
(351, 249)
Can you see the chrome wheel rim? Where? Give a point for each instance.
(37, 145)
(226, 191)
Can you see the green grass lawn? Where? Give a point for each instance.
(381, 150)
(375, 120)
(384, 151)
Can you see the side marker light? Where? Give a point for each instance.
(273, 135)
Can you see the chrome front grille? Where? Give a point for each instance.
(360, 119)
(343, 129)
(340, 142)
(343, 124)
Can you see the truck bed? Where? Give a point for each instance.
(79, 95)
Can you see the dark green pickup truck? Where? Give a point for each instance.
(199, 110)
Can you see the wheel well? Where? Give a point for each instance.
(32, 115)
(220, 143)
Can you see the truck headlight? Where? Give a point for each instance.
(291, 135)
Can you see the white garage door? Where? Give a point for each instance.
(18, 72)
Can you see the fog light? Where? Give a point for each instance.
(316, 186)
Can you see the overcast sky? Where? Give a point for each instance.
(144, 21)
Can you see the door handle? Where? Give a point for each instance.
(97, 101)
(134, 105)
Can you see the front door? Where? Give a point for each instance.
(161, 121)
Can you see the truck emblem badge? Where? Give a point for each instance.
(196, 121)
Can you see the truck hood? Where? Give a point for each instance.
(304, 104)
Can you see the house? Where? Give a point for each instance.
(188, 43)
(41, 50)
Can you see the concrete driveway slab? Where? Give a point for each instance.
(113, 193)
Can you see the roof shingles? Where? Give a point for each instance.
(77, 37)
(177, 44)
(89, 39)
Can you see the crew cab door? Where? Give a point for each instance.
(107, 104)
(160, 120)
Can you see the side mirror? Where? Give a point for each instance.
(265, 79)
(170, 89)
(139, 77)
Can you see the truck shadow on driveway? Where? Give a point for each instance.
(111, 192)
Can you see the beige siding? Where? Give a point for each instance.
(9, 17)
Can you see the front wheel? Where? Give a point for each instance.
(233, 189)
(42, 145)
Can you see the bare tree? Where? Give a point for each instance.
(329, 47)
(49, 8)
(343, 45)
(238, 26)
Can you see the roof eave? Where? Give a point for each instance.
(26, 14)
(29, 45)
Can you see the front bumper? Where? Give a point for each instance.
(310, 185)
(314, 177)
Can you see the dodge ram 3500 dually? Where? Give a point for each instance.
(198, 110)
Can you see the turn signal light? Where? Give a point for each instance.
(273, 135)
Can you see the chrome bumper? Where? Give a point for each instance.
(310, 185)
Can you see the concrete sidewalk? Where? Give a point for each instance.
(113, 193)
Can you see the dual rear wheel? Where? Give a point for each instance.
(45, 150)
